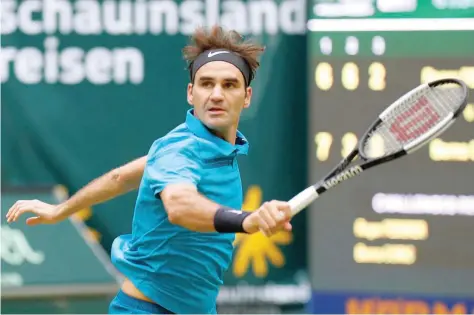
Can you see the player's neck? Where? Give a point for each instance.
(228, 135)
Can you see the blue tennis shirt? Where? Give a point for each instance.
(175, 267)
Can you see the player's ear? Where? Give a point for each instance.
(248, 97)
(190, 94)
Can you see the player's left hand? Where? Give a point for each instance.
(45, 212)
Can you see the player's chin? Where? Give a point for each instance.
(217, 122)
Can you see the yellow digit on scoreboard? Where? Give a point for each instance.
(348, 142)
(323, 76)
(350, 76)
(469, 113)
(377, 74)
(323, 141)
(376, 147)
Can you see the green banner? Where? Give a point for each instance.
(50, 261)
(89, 85)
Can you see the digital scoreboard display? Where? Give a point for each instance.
(406, 228)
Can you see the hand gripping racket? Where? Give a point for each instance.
(405, 126)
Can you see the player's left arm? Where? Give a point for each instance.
(110, 185)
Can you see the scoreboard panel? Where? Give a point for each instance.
(406, 9)
(404, 228)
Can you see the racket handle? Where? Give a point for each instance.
(302, 200)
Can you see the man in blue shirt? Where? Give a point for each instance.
(188, 206)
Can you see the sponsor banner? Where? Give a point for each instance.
(366, 303)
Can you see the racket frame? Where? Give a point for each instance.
(339, 173)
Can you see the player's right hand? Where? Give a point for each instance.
(45, 213)
(270, 218)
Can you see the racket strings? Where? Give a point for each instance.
(411, 119)
(446, 102)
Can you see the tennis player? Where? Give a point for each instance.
(190, 195)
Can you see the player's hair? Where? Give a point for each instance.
(218, 38)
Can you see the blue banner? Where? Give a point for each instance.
(366, 303)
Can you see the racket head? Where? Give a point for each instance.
(414, 119)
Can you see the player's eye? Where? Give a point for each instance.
(229, 85)
(206, 84)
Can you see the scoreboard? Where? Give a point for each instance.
(403, 230)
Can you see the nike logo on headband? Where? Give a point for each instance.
(211, 54)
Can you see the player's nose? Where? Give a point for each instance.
(217, 94)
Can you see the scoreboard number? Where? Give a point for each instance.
(377, 76)
(324, 76)
(350, 76)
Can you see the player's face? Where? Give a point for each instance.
(219, 95)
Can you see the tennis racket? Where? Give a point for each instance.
(402, 128)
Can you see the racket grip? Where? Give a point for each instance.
(302, 200)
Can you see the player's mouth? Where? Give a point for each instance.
(216, 110)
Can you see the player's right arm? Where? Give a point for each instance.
(174, 174)
(108, 186)
(188, 208)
